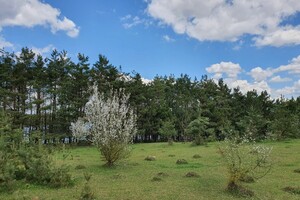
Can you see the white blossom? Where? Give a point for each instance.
(112, 123)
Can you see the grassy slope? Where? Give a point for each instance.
(132, 179)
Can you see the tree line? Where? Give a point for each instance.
(47, 94)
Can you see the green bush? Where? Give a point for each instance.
(60, 177)
(7, 177)
(40, 169)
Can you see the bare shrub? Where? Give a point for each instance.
(244, 158)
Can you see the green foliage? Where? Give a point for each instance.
(7, 173)
(168, 130)
(8, 162)
(198, 130)
(47, 94)
(285, 124)
(27, 160)
(38, 167)
(252, 125)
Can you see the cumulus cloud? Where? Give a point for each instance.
(282, 36)
(228, 68)
(293, 67)
(245, 86)
(260, 79)
(223, 20)
(259, 74)
(278, 79)
(32, 13)
(289, 90)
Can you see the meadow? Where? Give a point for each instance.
(136, 178)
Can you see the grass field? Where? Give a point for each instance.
(132, 178)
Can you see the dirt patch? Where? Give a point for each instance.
(150, 158)
(155, 178)
(80, 167)
(238, 190)
(162, 174)
(181, 161)
(297, 170)
(192, 175)
(196, 156)
(293, 190)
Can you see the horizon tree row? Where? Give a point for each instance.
(47, 94)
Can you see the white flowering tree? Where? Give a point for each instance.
(79, 129)
(111, 124)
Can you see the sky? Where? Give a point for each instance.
(251, 44)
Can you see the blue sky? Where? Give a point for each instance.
(250, 44)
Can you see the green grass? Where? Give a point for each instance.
(133, 178)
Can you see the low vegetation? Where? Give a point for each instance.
(245, 161)
(132, 178)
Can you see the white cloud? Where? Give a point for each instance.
(282, 36)
(261, 78)
(286, 91)
(4, 43)
(44, 50)
(259, 74)
(228, 68)
(278, 79)
(222, 20)
(289, 91)
(146, 81)
(168, 38)
(245, 86)
(32, 13)
(292, 68)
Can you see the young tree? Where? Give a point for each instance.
(111, 122)
(198, 129)
(168, 130)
